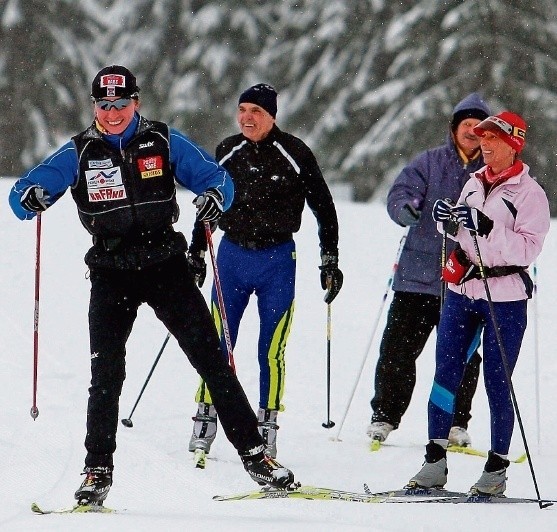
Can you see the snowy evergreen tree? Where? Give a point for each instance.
(367, 84)
(335, 68)
(442, 51)
(39, 80)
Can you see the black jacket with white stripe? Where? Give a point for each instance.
(273, 178)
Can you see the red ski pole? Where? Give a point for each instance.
(225, 328)
(34, 409)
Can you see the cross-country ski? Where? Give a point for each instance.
(74, 509)
(404, 495)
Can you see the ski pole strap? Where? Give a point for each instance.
(501, 271)
(459, 269)
(498, 271)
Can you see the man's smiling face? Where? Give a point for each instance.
(255, 123)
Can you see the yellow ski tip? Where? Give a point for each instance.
(520, 459)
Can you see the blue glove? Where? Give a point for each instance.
(209, 205)
(35, 199)
(409, 216)
(442, 210)
(331, 277)
(473, 219)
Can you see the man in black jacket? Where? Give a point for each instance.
(274, 175)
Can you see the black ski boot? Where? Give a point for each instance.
(95, 486)
(266, 471)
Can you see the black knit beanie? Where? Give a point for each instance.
(459, 116)
(263, 95)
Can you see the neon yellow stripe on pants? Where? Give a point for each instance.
(275, 361)
(275, 358)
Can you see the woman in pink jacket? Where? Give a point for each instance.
(500, 223)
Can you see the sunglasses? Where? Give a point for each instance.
(119, 104)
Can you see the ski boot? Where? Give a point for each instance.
(459, 437)
(494, 477)
(266, 471)
(95, 486)
(433, 473)
(267, 427)
(379, 430)
(204, 433)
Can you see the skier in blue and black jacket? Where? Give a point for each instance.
(122, 172)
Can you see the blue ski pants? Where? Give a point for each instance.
(270, 274)
(460, 319)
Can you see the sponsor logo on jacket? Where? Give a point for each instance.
(150, 166)
(106, 163)
(105, 185)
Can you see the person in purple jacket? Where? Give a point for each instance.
(500, 223)
(436, 173)
(122, 172)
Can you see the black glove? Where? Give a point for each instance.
(473, 219)
(35, 199)
(199, 238)
(331, 276)
(198, 267)
(209, 205)
(409, 216)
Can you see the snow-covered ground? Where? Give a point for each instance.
(154, 479)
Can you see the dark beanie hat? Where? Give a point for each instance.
(263, 95)
(114, 80)
(472, 106)
(459, 116)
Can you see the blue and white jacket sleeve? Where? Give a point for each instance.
(55, 174)
(196, 170)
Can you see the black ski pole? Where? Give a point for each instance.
(328, 424)
(506, 367)
(127, 422)
(34, 410)
(373, 331)
(443, 262)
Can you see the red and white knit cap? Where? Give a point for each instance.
(508, 126)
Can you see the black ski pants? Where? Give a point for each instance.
(169, 289)
(410, 320)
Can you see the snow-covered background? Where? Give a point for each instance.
(366, 83)
(154, 479)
